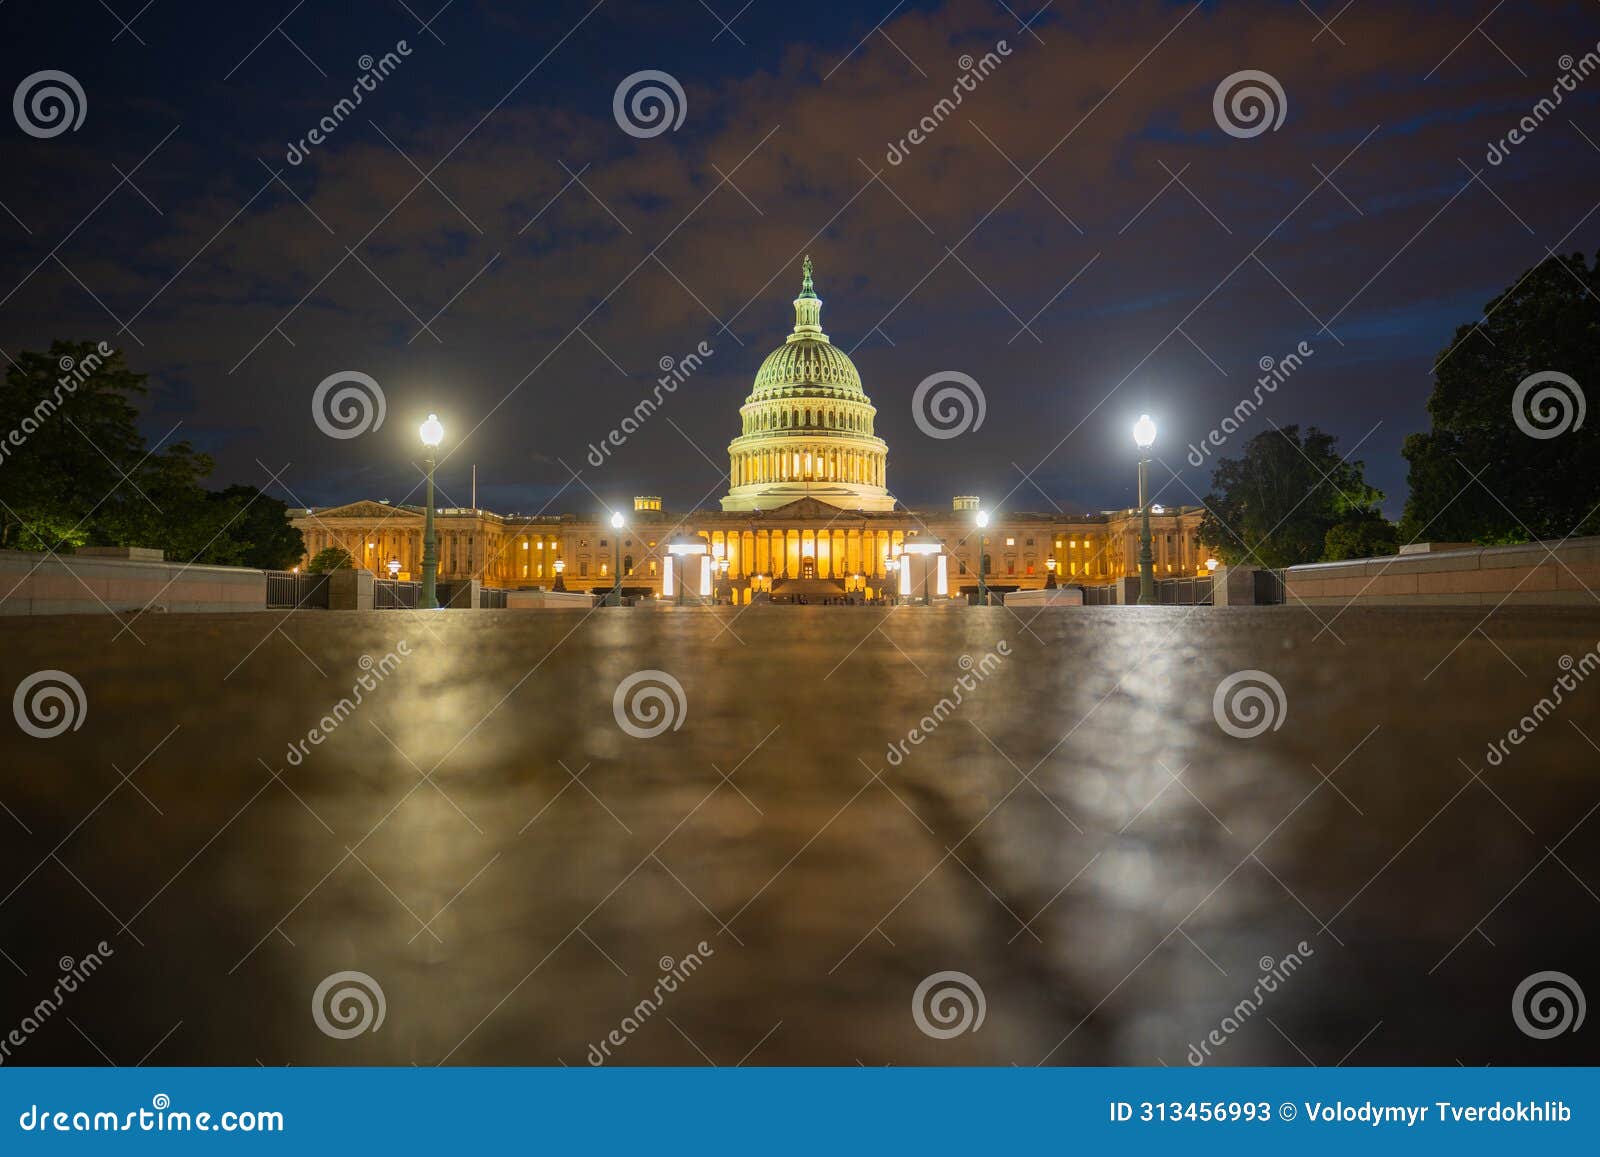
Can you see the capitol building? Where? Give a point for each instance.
(808, 513)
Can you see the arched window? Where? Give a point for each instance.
(627, 564)
(988, 565)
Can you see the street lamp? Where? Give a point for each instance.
(1144, 434)
(983, 594)
(432, 434)
(1050, 565)
(616, 557)
(560, 567)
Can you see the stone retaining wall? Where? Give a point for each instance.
(41, 584)
(1557, 573)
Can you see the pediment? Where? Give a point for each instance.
(364, 509)
(803, 509)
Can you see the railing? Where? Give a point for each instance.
(394, 595)
(1269, 587)
(1184, 592)
(288, 589)
(491, 599)
(1100, 596)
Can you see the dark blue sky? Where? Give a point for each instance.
(558, 259)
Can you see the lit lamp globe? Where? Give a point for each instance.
(432, 431)
(1144, 432)
(1212, 564)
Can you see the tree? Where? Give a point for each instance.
(1361, 535)
(330, 558)
(1278, 504)
(1537, 468)
(75, 470)
(258, 526)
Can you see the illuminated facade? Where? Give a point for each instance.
(807, 509)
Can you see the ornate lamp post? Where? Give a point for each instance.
(1144, 435)
(616, 555)
(432, 434)
(983, 591)
(1050, 581)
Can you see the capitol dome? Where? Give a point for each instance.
(806, 428)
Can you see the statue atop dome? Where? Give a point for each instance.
(806, 288)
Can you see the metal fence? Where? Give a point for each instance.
(287, 589)
(1179, 592)
(393, 595)
(491, 599)
(1100, 596)
(1269, 587)
(1184, 592)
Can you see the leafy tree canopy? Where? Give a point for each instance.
(1539, 484)
(1279, 503)
(75, 470)
(330, 558)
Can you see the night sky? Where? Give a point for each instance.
(556, 259)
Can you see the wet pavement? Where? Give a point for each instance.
(530, 877)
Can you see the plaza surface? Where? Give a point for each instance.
(1079, 836)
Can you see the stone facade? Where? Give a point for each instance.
(807, 500)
